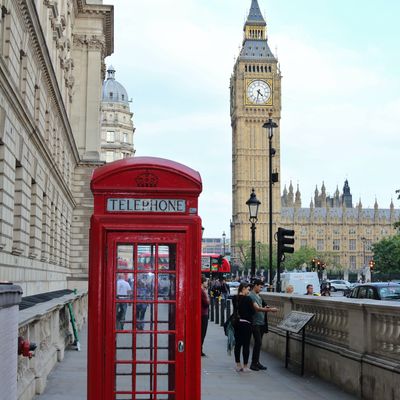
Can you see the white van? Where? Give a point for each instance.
(299, 281)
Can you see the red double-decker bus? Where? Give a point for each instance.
(214, 264)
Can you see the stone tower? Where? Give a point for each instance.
(255, 97)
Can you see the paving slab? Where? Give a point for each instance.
(220, 381)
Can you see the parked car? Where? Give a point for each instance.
(339, 284)
(376, 291)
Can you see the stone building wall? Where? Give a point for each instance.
(38, 143)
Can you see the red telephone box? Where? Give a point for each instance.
(144, 281)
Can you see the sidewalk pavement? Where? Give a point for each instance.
(219, 379)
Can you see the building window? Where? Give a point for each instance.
(320, 232)
(352, 262)
(303, 243)
(320, 244)
(303, 230)
(109, 156)
(368, 231)
(352, 244)
(352, 231)
(336, 244)
(125, 138)
(336, 231)
(110, 137)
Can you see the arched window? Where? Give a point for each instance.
(269, 68)
(258, 68)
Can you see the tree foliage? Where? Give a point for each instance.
(262, 255)
(300, 257)
(387, 254)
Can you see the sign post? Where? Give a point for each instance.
(295, 322)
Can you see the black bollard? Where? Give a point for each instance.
(217, 311)
(212, 301)
(223, 302)
(228, 308)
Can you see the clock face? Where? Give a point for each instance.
(258, 92)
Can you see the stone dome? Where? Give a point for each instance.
(113, 91)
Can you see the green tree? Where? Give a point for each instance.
(262, 255)
(387, 254)
(302, 256)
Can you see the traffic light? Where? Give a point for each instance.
(371, 265)
(285, 237)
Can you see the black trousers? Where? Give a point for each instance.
(204, 325)
(258, 332)
(242, 339)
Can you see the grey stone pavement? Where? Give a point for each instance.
(219, 379)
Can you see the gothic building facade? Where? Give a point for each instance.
(331, 224)
(51, 72)
(335, 228)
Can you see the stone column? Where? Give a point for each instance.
(85, 119)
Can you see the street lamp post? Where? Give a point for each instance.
(363, 239)
(223, 243)
(270, 125)
(253, 204)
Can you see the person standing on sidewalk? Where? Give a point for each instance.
(205, 302)
(258, 327)
(242, 305)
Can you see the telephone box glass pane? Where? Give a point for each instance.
(166, 286)
(124, 347)
(123, 314)
(165, 261)
(146, 257)
(145, 286)
(145, 317)
(166, 317)
(124, 256)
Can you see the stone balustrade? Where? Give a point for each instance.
(48, 325)
(352, 343)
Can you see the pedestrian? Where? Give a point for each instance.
(289, 289)
(325, 289)
(258, 326)
(123, 293)
(310, 290)
(205, 303)
(224, 290)
(243, 305)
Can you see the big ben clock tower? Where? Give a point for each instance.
(255, 97)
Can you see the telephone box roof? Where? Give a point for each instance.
(144, 165)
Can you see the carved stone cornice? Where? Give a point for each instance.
(100, 10)
(91, 42)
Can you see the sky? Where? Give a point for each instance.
(340, 62)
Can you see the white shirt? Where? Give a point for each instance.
(123, 288)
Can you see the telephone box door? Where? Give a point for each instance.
(145, 316)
